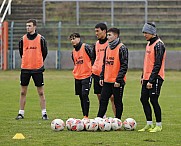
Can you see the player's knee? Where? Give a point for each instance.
(104, 100)
(23, 93)
(85, 93)
(153, 101)
(41, 93)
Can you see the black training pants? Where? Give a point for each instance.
(153, 95)
(107, 90)
(82, 88)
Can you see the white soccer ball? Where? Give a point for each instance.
(109, 119)
(92, 125)
(85, 121)
(77, 125)
(105, 125)
(129, 124)
(57, 125)
(116, 124)
(69, 123)
(98, 119)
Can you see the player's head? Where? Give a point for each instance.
(112, 34)
(149, 30)
(74, 38)
(101, 30)
(31, 26)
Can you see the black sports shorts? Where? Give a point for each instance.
(97, 87)
(83, 86)
(37, 78)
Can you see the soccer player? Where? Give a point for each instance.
(98, 55)
(152, 77)
(33, 51)
(113, 75)
(82, 58)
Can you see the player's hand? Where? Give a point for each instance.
(149, 85)
(101, 82)
(116, 84)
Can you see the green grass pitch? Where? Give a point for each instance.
(62, 103)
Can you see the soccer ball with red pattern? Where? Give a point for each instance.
(92, 125)
(116, 124)
(57, 125)
(77, 125)
(85, 121)
(69, 122)
(129, 124)
(105, 125)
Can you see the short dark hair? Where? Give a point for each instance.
(74, 35)
(114, 30)
(102, 26)
(33, 21)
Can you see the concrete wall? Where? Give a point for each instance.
(173, 60)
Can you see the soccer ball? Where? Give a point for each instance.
(116, 124)
(109, 119)
(69, 123)
(92, 125)
(85, 121)
(77, 125)
(105, 125)
(98, 119)
(57, 125)
(129, 124)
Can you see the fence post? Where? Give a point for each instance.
(11, 47)
(77, 12)
(112, 13)
(146, 11)
(5, 45)
(59, 46)
(1, 46)
(44, 12)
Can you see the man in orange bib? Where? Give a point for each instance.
(98, 55)
(82, 58)
(152, 77)
(113, 75)
(33, 51)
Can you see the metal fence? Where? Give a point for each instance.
(59, 58)
(78, 8)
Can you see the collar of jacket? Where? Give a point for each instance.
(102, 41)
(78, 46)
(32, 36)
(114, 43)
(152, 40)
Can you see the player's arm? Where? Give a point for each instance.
(44, 49)
(159, 53)
(123, 57)
(88, 50)
(103, 67)
(72, 58)
(93, 54)
(21, 47)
